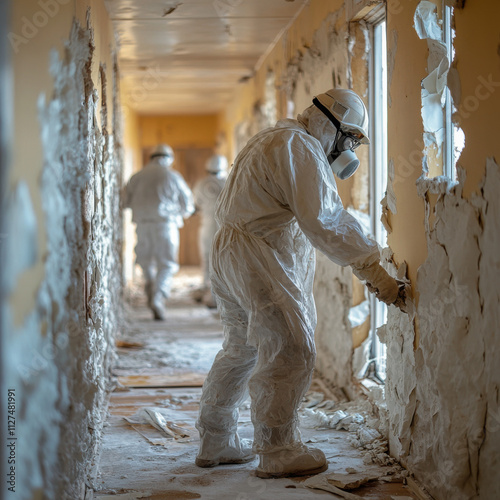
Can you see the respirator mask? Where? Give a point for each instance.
(341, 158)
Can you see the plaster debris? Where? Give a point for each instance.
(316, 419)
(156, 417)
(352, 479)
(320, 482)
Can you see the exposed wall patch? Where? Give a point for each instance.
(444, 410)
(60, 354)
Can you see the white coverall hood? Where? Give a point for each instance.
(319, 126)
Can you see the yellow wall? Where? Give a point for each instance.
(405, 131)
(30, 66)
(478, 65)
(477, 62)
(132, 162)
(34, 33)
(185, 131)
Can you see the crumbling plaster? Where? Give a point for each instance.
(442, 387)
(60, 351)
(443, 396)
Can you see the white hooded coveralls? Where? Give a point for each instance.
(160, 199)
(280, 200)
(205, 194)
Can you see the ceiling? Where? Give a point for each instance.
(182, 57)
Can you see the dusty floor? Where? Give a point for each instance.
(161, 366)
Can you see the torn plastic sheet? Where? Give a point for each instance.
(156, 417)
(433, 87)
(426, 22)
(434, 84)
(359, 314)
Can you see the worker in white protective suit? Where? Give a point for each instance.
(206, 192)
(279, 203)
(160, 199)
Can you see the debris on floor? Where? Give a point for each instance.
(123, 344)
(179, 380)
(156, 418)
(150, 440)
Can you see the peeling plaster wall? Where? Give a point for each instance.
(443, 380)
(59, 346)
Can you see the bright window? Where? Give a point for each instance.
(378, 176)
(454, 136)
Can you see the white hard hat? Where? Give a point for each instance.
(216, 164)
(162, 150)
(348, 108)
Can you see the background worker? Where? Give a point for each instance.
(160, 199)
(206, 192)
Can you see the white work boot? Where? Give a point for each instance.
(300, 461)
(158, 308)
(217, 450)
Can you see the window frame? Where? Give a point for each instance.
(378, 182)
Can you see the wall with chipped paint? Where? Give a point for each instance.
(443, 380)
(63, 237)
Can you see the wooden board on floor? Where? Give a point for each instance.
(177, 380)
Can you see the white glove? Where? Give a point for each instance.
(380, 283)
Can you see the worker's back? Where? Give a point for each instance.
(158, 193)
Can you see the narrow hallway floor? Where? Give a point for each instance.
(150, 441)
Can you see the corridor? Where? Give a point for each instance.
(391, 274)
(161, 367)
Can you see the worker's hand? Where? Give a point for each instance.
(379, 282)
(403, 295)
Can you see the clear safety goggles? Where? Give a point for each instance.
(347, 141)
